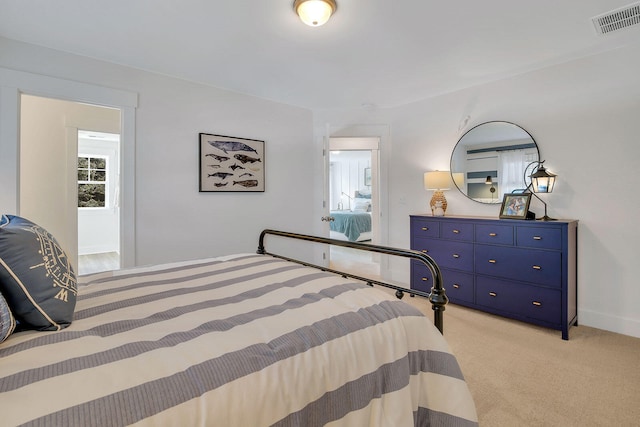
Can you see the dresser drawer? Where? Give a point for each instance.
(520, 299)
(425, 228)
(448, 254)
(458, 286)
(421, 277)
(494, 234)
(538, 237)
(456, 231)
(530, 265)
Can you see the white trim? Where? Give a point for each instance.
(12, 85)
(608, 322)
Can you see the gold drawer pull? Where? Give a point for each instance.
(493, 234)
(425, 228)
(492, 261)
(456, 231)
(456, 256)
(537, 267)
(493, 294)
(537, 304)
(537, 238)
(456, 286)
(425, 279)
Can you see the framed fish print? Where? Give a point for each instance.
(229, 164)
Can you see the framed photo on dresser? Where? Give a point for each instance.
(515, 205)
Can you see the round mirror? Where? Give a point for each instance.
(490, 159)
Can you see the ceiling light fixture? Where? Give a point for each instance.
(314, 12)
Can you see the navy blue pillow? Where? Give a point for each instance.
(36, 277)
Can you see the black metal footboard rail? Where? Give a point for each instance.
(437, 296)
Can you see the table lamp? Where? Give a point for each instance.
(438, 181)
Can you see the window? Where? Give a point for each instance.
(92, 182)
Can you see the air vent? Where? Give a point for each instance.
(618, 19)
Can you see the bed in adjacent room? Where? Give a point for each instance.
(351, 226)
(247, 339)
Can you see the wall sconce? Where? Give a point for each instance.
(437, 181)
(489, 181)
(315, 12)
(542, 181)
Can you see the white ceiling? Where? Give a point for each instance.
(372, 53)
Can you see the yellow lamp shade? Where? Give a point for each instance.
(437, 180)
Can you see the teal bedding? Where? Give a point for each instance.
(351, 224)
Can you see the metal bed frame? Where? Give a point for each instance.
(437, 296)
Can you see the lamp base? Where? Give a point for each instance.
(546, 218)
(438, 203)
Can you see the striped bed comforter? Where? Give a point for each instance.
(249, 340)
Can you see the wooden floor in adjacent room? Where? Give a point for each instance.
(94, 263)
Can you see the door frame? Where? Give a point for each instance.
(13, 85)
(371, 144)
(381, 131)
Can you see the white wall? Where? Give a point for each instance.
(583, 115)
(347, 171)
(173, 220)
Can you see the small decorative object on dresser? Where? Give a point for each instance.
(525, 270)
(515, 206)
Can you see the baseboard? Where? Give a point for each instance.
(608, 322)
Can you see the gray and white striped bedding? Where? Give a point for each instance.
(250, 340)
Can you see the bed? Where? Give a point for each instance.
(241, 340)
(350, 225)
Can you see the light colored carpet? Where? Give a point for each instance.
(524, 375)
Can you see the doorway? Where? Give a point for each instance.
(354, 201)
(50, 142)
(13, 86)
(98, 201)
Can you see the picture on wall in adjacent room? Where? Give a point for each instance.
(231, 164)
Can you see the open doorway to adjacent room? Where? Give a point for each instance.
(70, 177)
(354, 201)
(98, 201)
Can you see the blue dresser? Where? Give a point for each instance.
(525, 270)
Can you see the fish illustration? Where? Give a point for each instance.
(222, 175)
(246, 159)
(235, 166)
(218, 158)
(221, 184)
(245, 174)
(247, 183)
(227, 146)
(214, 166)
